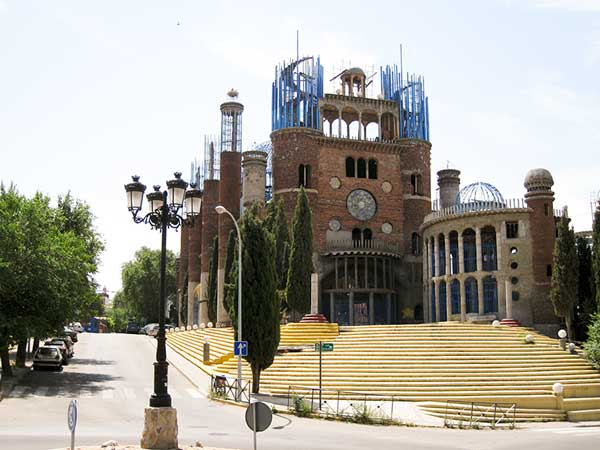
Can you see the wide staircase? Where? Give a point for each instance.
(438, 365)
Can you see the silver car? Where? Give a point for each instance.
(48, 357)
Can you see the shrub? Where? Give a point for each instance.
(592, 345)
(300, 407)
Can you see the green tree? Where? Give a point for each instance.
(211, 290)
(260, 307)
(231, 254)
(586, 304)
(281, 233)
(563, 287)
(46, 267)
(592, 345)
(596, 255)
(300, 263)
(117, 319)
(141, 283)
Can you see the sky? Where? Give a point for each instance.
(92, 92)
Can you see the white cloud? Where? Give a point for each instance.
(592, 53)
(568, 5)
(3, 5)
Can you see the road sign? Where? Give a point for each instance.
(258, 416)
(72, 421)
(325, 347)
(72, 415)
(240, 348)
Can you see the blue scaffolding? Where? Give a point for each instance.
(413, 105)
(296, 91)
(268, 149)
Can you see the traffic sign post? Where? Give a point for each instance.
(322, 347)
(72, 421)
(240, 348)
(258, 418)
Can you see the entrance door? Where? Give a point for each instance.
(361, 309)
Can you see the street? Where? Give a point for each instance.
(111, 377)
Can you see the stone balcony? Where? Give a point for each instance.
(362, 247)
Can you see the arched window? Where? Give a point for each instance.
(432, 257)
(455, 296)
(469, 250)
(471, 295)
(350, 168)
(488, 248)
(372, 169)
(433, 302)
(442, 302)
(361, 168)
(442, 254)
(304, 175)
(490, 295)
(415, 181)
(367, 236)
(415, 244)
(356, 235)
(453, 236)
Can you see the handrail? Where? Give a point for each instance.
(362, 244)
(476, 413)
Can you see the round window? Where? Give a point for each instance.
(514, 250)
(514, 265)
(514, 280)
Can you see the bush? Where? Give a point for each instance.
(592, 345)
(300, 407)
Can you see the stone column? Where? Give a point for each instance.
(436, 286)
(498, 247)
(359, 125)
(508, 300)
(379, 125)
(461, 255)
(480, 295)
(436, 256)
(210, 225)
(463, 301)
(428, 263)
(340, 123)
(371, 309)
(447, 249)
(478, 248)
(314, 293)
(448, 299)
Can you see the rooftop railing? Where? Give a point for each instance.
(477, 206)
(362, 245)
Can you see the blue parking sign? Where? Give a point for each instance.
(240, 348)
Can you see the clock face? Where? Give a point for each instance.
(361, 204)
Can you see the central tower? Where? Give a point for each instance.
(365, 165)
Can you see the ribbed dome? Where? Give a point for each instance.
(538, 180)
(479, 192)
(354, 71)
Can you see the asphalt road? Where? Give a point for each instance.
(111, 378)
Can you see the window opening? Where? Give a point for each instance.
(372, 169)
(350, 168)
(512, 230)
(361, 168)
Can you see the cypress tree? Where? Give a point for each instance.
(211, 291)
(596, 255)
(563, 288)
(586, 304)
(260, 306)
(231, 253)
(300, 262)
(282, 241)
(271, 213)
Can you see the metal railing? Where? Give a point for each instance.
(477, 414)
(357, 407)
(475, 206)
(227, 388)
(362, 245)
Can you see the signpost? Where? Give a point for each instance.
(72, 421)
(240, 348)
(258, 418)
(322, 347)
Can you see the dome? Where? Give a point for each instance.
(478, 193)
(538, 180)
(354, 71)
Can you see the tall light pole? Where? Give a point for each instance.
(222, 210)
(163, 214)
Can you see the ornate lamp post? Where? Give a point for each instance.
(164, 212)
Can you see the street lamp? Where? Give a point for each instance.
(163, 213)
(222, 210)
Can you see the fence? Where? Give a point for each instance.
(354, 406)
(227, 388)
(474, 414)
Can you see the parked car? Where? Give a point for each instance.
(68, 342)
(69, 332)
(132, 327)
(62, 347)
(152, 329)
(49, 356)
(145, 329)
(76, 326)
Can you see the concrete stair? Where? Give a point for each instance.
(432, 363)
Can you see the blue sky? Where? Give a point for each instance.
(93, 92)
